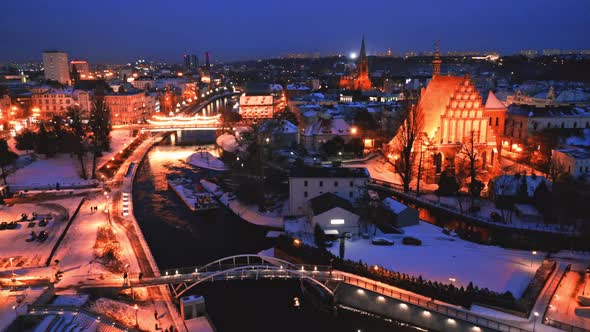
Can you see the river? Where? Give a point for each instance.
(179, 237)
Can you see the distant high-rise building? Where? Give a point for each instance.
(194, 62)
(56, 66)
(81, 67)
(186, 62)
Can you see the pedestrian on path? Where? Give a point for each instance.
(156, 314)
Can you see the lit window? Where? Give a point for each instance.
(337, 222)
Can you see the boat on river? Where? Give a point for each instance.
(193, 195)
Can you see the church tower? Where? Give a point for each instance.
(437, 61)
(360, 79)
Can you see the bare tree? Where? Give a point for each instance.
(402, 145)
(469, 166)
(556, 169)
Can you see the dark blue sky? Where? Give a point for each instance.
(123, 30)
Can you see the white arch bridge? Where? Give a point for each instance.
(239, 267)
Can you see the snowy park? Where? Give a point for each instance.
(446, 259)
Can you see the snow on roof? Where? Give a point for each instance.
(327, 127)
(227, 142)
(573, 96)
(493, 102)
(575, 152)
(298, 87)
(284, 126)
(393, 205)
(579, 141)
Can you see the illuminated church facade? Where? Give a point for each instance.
(453, 111)
(359, 80)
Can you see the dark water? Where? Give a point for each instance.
(179, 237)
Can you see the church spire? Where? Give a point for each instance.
(437, 61)
(363, 51)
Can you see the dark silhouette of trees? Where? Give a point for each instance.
(79, 135)
(6, 157)
(402, 145)
(100, 127)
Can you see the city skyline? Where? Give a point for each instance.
(247, 31)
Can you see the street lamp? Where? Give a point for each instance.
(534, 253)
(536, 314)
(12, 267)
(136, 309)
(452, 280)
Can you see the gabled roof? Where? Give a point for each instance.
(328, 201)
(493, 102)
(393, 205)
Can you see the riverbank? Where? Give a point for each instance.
(246, 212)
(147, 264)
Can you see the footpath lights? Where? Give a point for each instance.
(403, 306)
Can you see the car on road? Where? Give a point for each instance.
(3, 225)
(381, 241)
(411, 241)
(42, 236)
(43, 222)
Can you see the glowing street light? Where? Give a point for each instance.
(534, 253)
(352, 55)
(536, 314)
(136, 309)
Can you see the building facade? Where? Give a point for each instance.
(572, 160)
(306, 183)
(56, 66)
(129, 107)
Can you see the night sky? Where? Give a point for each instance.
(124, 30)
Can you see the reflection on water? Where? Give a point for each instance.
(179, 237)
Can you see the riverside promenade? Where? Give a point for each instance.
(123, 186)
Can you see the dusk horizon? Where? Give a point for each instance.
(240, 30)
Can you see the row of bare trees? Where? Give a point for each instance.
(72, 134)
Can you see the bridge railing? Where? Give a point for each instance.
(60, 310)
(463, 315)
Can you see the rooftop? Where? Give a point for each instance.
(329, 172)
(548, 111)
(575, 152)
(328, 201)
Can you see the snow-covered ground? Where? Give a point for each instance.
(205, 159)
(31, 254)
(65, 169)
(46, 173)
(441, 257)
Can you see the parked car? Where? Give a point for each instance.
(31, 224)
(412, 241)
(496, 217)
(381, 241)
(12, 225)
(42, 236)
(3, 225)
(43, 222)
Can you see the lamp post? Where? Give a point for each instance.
(536, 314)
(12, 268)
(534, 253)
(136, 309)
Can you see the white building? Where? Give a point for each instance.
(323, 130)
(130, 106)
(572, 160)
(56, 66)
(82, 68)
(306, 183)
(333, 214)
(48, 102)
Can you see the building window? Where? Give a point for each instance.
(350, 194)
(351, 184)
(490, 123)
(497, 121)
(305, 194)
(337, 222)
(335, 183)
(321, 183)
(305, 183)
(562, 125)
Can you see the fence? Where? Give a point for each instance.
(60, 310)
(427, 304)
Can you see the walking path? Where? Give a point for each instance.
(146, 263)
